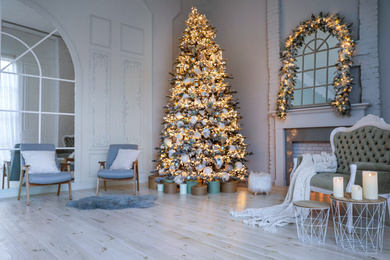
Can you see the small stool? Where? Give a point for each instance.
(312, 220)
(260, 182)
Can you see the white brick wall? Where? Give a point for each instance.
(300, 148)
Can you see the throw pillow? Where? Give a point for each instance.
(124, 159)
(40, 161)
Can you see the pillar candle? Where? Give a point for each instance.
(338, 187)
(370, 185)
(357, 192)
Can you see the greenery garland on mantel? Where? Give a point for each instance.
(342, 82)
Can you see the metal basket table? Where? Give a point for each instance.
(312, 220)
(359, 224)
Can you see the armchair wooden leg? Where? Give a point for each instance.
(135, 186)
(70, 190)
(28, 193)
(97, 187)
(3, 176)
(105, 186)
(20, 185)
(59, 188)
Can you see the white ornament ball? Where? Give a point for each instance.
(193, 120)
(197, 135)
(221, 125)
(168, 141)
(199, 167)
(224, 111)
(206, 132)
(178, 115)
(225, 176)
(207, 170)
(171, 152)
(238, 165)
(229, 167)
(232, 148)
(179, 137)
(185, 158)
(160, 171)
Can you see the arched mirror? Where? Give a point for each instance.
(316, 62)
(37, 91)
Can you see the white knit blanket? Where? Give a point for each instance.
(280, 215)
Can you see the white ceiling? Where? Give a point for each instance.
(15, 12)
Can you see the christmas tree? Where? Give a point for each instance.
(200, 138)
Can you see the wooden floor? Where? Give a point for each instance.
(178, 227)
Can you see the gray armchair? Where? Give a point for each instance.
(57, 176)
(105, 172)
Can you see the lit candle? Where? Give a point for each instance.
(370, 185)
(357, 192)
(338, 187)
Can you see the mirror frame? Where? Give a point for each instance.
(342, 82)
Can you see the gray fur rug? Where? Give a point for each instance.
(113, 202)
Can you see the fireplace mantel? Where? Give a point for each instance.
(307, 118)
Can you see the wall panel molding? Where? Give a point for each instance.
(132, 39)
(99, 98)
(100, 31)
(132, 93)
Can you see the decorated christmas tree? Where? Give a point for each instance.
(201, 136)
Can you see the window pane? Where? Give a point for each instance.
(320, 95)
(308, 61)
(320, 45)
(297, 98)
(299, 63)
(307, 96)
(54, 127)
(332, 41)
(320, 77)
(298, 81)
(30, 93)
(9, 91)
(331, 74)
(321, 59)
(10, 126)
(29, 128)
(333, 56)
(331, 93)
(308, 79)
(58, 96)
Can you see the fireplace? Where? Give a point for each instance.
(305, 140)
(302, 122)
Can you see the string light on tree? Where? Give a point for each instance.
(342, 82)
(201, 124)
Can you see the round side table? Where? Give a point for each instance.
(359, 224)
(312, 220)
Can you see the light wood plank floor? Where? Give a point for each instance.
(178, 227)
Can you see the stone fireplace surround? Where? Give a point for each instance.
(319, 117)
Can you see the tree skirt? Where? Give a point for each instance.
(113, 202)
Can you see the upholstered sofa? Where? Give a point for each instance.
(363, 147)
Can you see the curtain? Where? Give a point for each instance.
(9, 101)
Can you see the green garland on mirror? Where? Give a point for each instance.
(342, 82)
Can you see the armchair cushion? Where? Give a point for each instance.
(324, 180)
(40, 161)
(124, 159)
(115, 174)
(49, 178)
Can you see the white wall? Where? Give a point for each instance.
(111, 46)
(384, 57)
